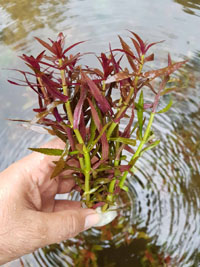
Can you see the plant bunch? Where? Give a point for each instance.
(84, 107)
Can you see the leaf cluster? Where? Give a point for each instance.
(84, 107)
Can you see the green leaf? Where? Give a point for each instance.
(167, 107)
(60, 165)
(125, 188)
(98, 137)
(140, 113)
(124, 140)
(48, 151)
(79, 147)
(150, 146)
(91, 191)
(92, 132)
(102, 181)
(134, 128)
(168, 90)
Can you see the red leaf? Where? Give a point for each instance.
(124, 168)
(40, 56)
(70, 47)
(38, 110)
(129, 54)
(61, 39)
(129, 149)
(169, 60)
(104, 141)
(34, 62)
(14, 83)
(150, 45)
(70, 137)
(115, 64)
(149, 58)
(142, 44)
(78, 108)
(46, 45)
(101, 100)
(51, 87)
(137, 47)
(164, 71)
(82, 126)
(126, 132)
(57, 115)
(118, 77)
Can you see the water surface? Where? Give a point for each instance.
(161, 227)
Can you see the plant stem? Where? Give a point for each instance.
(85, 165)
(114, 124)
(137, 153)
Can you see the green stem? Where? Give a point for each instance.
(114, 124)
(85, 166)
(139, 149)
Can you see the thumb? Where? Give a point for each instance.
(58, 226)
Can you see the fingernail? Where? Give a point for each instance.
(91, 220)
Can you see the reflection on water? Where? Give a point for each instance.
(161, 226)
(28, 16)
(189, 6)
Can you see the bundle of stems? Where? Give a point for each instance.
(85, 107)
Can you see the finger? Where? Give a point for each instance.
(66, 205)
(65, 185)
(58, 226)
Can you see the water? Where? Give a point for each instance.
(161, 226)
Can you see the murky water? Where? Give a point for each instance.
(161, 227)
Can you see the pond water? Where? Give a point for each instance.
(162, 225)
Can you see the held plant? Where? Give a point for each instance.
(84, 107)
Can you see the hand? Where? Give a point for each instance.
(30, 217)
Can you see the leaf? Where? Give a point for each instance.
(149, 58)
(79, 147)
(70, 47)
(99, 136)
(150, 45)
(101, 100)
(167, 107)
(60, 165)
(142, 44)
(48, 151)
(129, 149)
(101, 181)
(169, 90)
(78, 108)
(150, 147)
(140, 113)
(46, 45)
(104, 141)
(123, 140)
(52, 88)
(125, 188)
(137, 47)
(118, 77)
(92, 132)
(126, 132)
(163, 71)
(129, 54)
(91, 191)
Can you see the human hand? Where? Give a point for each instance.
(30, 217)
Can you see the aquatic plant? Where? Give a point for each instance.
(85, 107)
